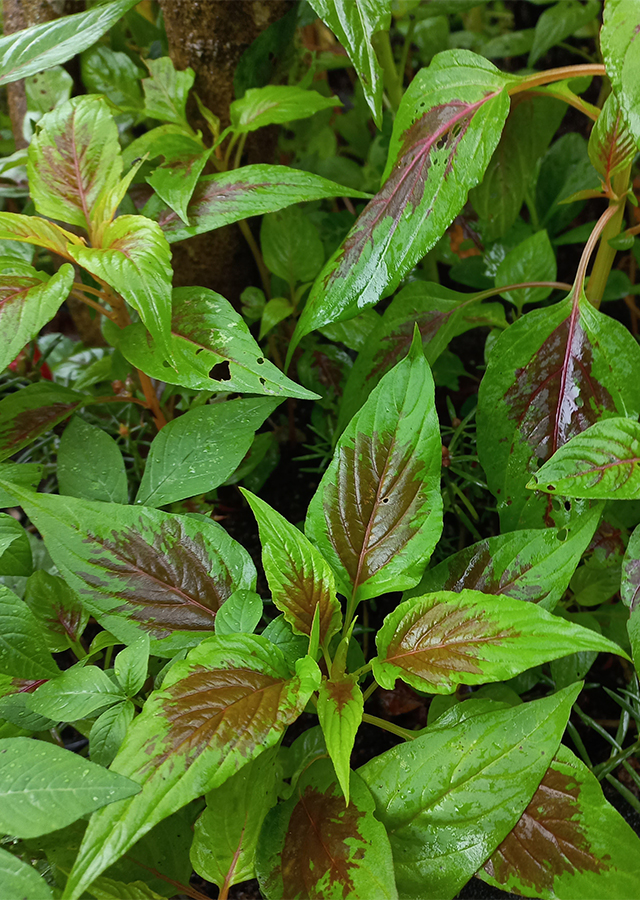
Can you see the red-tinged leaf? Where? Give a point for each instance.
(28, 300)
(550, 375)
(56, 606)
(250, 191)
(141, 569)
(135, 259)
(611, 144)
(444, 639)
(74, 158)
(621, 54)
(33, 230)
(377, 513)
(175, 180)
(534, 565)
(340, 708)
(446, 130)
(630, 585)
(230, 700)
(32, 411)
(313, 846)
(569, 842)
(299, 578)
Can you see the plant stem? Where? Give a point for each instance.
(589, 247)
(94, 305)
(255, 250)
(392, 83)
(606, 254)
(552, 75)
(239, 151)
(389, 726)
(405, 50)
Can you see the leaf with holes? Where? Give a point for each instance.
(377, 513)
(353, 856)
(600, 463)
(166, 91)
(550, 375)
(57, 608)
(32, 230)
(534, 565)
(621, 53)
(447, 127)
(197, 451)
(276, 104)
(32, 411)
(138, 569)
(340, 709)
(299, 578)
(212, 347)
(228, 197)
(22, 654)
(441, 640)
(611, 145)
(226, 703)
(569, 842)
(477, 778)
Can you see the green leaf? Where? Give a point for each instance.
(18, 880)
(135, 259)
(534, 565)
(108, 732)
(74, 160)
(275, 105)
(57, 608)
(166, 91)
(212, 347)
(559, 22)
(281, 634)
(33, 230)
(32, 411)
(105, 479)
(476, 777)
(376, 515)
(23, 474)
(114, 74)
(569, 842)
(611, 144)
(108, 889)
(573, 366)
(447, 127)
(353, 858)
(226, 834)
(48, 89)
(138, 569)
(44, 787)
(633, 628)
(630, 586)
(600, 463)
(198, 451)
(291, 245)
(229, 701)
(174, 181)
(440, 640)
(565, 169)
(355, 24)
(75, 694)
(276, 310)
(241, 612)
(532, 260)
(28, 300)
(621, 53)
(131, 666)
(249, 191)
(43, 46)
(15, 549)
(340, 708)
(300, 579)
(22, 654)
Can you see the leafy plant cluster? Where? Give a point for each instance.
(146, 686)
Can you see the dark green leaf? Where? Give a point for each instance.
(114, 74)
(19, 881)
(559, 22)
(275, 105)
(276, 310)
(57, 608)
(105, 479)
(621, 52)
(15, 549)
(340, 708)
(291, 245)
(22, 654)
(565, 169)
(32, 411)
(532, 260)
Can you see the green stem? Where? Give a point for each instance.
(239, 151)
(393, 84)
(389, 726)
(405, 50)
(606, 254)
(255, 250)
(373, 687)
(551, 75)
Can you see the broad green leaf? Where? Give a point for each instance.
(281, 634)
(291, 245)
(569, 842)
(226, 834)
(48, 89)
(621, 53)
(611, 144)
(565, 169)
(340, 708)
(198, 451)
(57, 608)
(23, 474)
(105, 479)
(446, 130)
(440, 640)
(174, 181)
(20, 881)
(74, 158)
(476, 778)
(131, 664)
(166, 91)
(22, 654)
(275, 105)
(28, 300)
(75, 694)
(352, 858)
(44, 787)
(559, 22)
(630, 586)
(355, 24)
(43, 46)
(573, 366)
(14, 709)
(135, 259)
(534, 565)
(241, 612)
(33, 230)
(139, 569)
(108, 732)
(377, 513)
(275, 311)
(299, 578)
(250, 191)
(513, 43)
(212, 348)
(532, 260)
(32, 411)
(600, 463)
(229, 701)
(108, 889)
(15, 549)
(114, 74)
